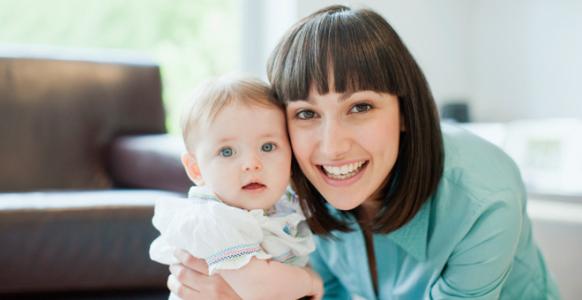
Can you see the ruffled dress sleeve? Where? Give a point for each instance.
(226, 237)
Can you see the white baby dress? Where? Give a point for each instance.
(228, 237)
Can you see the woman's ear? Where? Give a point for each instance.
(192, 169)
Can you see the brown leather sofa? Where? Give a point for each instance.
(83, 155)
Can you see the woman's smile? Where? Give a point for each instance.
(344, 180)
(341, 173)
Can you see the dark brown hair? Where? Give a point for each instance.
(362, 52)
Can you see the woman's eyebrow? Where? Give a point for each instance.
(342, 97)
(348, 95)
(291, 103)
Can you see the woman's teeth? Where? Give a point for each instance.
(343, 172)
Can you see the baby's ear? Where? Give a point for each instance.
(191, 167)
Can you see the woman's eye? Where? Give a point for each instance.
(226, 152)
(268, 147)
(305, 115)
(361, 107)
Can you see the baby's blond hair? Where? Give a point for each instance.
(215, 94)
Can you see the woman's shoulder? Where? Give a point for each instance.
(478, 170)
(480, 192)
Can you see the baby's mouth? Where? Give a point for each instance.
(253, 186)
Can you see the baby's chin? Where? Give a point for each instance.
(264, 204)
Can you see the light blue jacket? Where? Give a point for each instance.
(471, 240)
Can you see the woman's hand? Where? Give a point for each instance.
(189, 280)
(316, 284)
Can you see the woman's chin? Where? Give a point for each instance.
(343, 203)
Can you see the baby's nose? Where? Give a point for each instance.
(252, 164)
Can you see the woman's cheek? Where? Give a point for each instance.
(301, 141)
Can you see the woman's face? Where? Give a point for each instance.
(346, 144)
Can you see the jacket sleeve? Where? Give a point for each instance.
(333, 288)
(482, 261)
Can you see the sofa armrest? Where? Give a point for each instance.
(148, 161)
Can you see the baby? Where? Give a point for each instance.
(240, 216)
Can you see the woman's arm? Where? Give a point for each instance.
(267, 279)
(333, 288)
(257, 280)
(189, 280)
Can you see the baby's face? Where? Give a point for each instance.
(245, 156)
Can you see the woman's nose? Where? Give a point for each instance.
(334, 143)
(252, 163)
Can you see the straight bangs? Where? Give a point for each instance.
(341, 51)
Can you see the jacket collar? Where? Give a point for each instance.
(412, 237)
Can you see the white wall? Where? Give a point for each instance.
(510, 59)
(526, 59)
(263, 23)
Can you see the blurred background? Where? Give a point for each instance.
(510, 71)
(487, 61)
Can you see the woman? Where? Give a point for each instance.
(401, 209)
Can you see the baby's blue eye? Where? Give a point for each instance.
(226, 152)
(268, 147)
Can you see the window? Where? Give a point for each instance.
(191, 40)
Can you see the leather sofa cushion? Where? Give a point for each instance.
(75, 241)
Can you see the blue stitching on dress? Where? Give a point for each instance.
(233, 253)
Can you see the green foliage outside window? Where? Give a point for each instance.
(190, 39)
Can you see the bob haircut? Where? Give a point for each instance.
(213, 95)
(345, 50)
